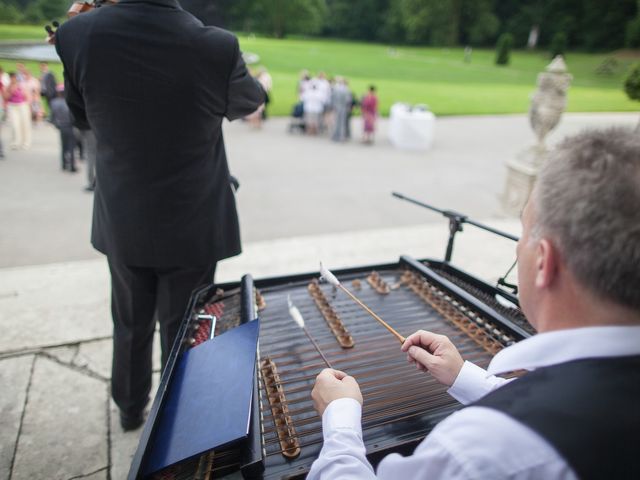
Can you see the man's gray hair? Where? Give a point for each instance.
(588, 201)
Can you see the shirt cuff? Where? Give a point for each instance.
(342, 414)
(471, 384)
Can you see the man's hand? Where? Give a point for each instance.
(332, 385)
(434, 354)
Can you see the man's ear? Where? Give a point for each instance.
(547, 262)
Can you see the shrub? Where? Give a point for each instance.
(632, 83)
(503, 49)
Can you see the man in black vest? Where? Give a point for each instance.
(154, 85)
(576, 413)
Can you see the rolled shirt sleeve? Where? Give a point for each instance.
(343, 455)
(473, 383)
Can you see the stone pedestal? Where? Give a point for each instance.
(521, 176)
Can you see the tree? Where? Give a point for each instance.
(209, 13)
(587, 24)
(478, 24)
(632, 85)
(392, 24)
(431, 21)
(359, 19)
(9, 14)
(518, 17)
(558, 44)
(603, 23)
(53, 9)
(503, 49)
(33, 14)
(632, 37)
(280, 17)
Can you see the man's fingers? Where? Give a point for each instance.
(421, 356)
(350, 380)
(330, 373)
(422, 338)
(339, 374)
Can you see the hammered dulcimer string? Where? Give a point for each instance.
(380, 411)
(390, 407)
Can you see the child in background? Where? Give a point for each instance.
(61, 118)
(369, 109)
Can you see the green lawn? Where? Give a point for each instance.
(22, 32)
(438, 77)
(434, 76)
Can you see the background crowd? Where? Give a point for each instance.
(27, 100)
(326, 106)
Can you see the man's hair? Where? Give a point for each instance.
(588, 201)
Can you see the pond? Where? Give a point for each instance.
(47, 53)
(35, 52)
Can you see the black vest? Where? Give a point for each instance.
(588, 410)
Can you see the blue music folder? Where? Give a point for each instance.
(209, 401)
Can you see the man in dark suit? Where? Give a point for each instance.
(154, 85)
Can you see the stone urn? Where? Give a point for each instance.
(548, 103)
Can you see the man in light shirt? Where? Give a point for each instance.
(576, 412)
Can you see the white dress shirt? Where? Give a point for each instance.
(475, 442)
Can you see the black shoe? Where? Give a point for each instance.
(89, 188)
(131, 422)
(73, 169)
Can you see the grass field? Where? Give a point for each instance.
(22, 32)
(436, 77)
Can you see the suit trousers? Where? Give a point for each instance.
(139, 295)
(89, 140)
(68, 142)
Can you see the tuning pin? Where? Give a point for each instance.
(55, 23)
(48, 29)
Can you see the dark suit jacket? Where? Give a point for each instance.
(154, 85)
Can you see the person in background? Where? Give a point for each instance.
(18, 113)
(323, 87)
(313, 101)
(574, 412)
(61, 119)
(48, 83)
(255, 118)
(2, 112)
(341, 102)
(369, 109)
(21, 72)
(4, 78)
(264, 78)
(304, 83)
(32, 84)
(352, 107)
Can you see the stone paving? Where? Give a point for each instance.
(56, 417)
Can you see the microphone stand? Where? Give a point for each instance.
(456, 221)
